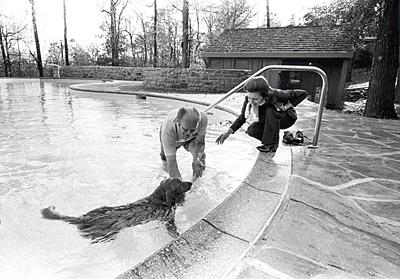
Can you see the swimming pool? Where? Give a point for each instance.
(79, 151)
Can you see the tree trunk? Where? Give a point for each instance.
(268, 17)
(62, 54)
(65, 35)
(132, 48)
(155, 36)
(38, 54)
(144, 59)
(3, 53)
(8, 60)
(196, 52)
(175, 47)
(113, 31)
(185, 35)
(380, 101)
(19, 59)
(397, 91)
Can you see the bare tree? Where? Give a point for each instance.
(169, 38)
(143, 39)
(397, 91)
(38, 57)
(235, 14)
(12, 38)
(65, 35)
(155, 36)
(197, 36)
(94, 53)
(7, 70)
(62, 61)
(19, 53)
(114, 28)
(210, 18)
(174, 47)
(129, 30)
(185, 35)
(229, 15)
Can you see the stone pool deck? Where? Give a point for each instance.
(331, 212)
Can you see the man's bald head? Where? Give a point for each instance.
(188, 120)
(190, 116)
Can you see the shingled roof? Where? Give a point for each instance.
(281, 41)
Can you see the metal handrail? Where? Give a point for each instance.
(288, 68)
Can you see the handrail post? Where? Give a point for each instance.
(314, 69)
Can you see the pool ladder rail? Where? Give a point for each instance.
(322, 98)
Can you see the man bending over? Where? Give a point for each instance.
(184, 127)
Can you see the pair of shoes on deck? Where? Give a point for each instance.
(297, 139)
(267, 148)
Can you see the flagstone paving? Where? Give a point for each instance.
(342, 219)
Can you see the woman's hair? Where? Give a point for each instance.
(258, 84)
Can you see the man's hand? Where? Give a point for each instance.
(198, 168)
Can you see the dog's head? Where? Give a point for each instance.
(176, 189)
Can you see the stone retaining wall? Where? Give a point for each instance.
(161, 79)
(103, 72)
(194, 80)
(165, 79)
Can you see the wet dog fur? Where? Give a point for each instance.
(102, 224)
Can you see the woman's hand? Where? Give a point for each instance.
(224, 136)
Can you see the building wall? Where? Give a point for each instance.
(312, 82)
(252, 64)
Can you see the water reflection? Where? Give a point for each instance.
(71, 117)
(42, 101)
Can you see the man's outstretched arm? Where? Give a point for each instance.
(172, 167)
(199, 147)
(197, 164)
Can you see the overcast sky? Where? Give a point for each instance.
(84, 16)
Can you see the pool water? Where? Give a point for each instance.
(79, 151)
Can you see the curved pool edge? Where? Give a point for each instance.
(87, 88)
(218, 242)
(215, 245)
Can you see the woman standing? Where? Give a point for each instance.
(269, 109)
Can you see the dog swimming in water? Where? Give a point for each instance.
(103, 223)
